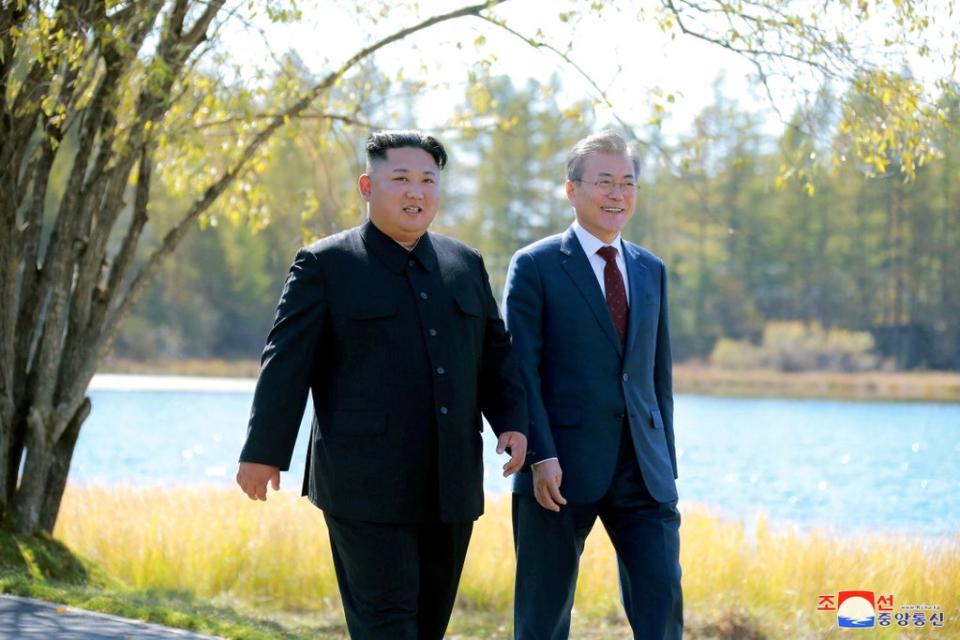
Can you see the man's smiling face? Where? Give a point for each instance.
(403, 193)
(604, 212)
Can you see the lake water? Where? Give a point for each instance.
(848, 466)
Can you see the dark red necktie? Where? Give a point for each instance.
(616, 292)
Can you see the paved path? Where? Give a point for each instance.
(29, 619)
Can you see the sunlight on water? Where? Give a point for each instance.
(844, 465)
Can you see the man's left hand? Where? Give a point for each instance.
(517, 442)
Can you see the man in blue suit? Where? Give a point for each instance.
(588, 314)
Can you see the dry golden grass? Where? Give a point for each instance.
(214, 542)
(876, 385)
(208, 541)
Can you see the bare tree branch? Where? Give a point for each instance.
(539, 44)
(320, 115)
(750, 53)
(176, 234)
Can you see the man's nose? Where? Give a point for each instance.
(616, 192)
(415, 191)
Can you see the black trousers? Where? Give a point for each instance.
(645, 534)
(397, 581)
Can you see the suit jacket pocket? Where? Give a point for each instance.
(345, 424)
(656, 420)
(564, 416)
(363, 333)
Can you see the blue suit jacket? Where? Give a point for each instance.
(581, 383)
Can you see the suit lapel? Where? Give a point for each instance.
(577, 266)
(637, 274)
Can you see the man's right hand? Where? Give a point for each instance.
(546, 484)
(253, 478)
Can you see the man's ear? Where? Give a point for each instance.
(364, 186)
(571, 190)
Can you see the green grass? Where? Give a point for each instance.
(42, 567)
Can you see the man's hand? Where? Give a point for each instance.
(546, 484)
(517, 442)
(253, 477)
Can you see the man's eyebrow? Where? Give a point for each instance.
(429, 172)
(610, 175)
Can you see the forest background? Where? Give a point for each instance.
(770, 246)
(817, 231)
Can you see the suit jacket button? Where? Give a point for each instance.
(444, 410)
(626, 377)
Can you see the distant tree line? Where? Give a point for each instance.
(754, 228)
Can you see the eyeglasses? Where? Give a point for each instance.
(605, 185)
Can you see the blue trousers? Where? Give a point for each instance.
(645, 534)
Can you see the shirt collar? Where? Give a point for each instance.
(592, 243)
(393, 254)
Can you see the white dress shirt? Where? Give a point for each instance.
(591, 244)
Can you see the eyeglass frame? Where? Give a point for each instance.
(622, 185)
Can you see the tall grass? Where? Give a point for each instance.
(213, 541)
(208, 541)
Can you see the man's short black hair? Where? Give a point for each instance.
(380, 141)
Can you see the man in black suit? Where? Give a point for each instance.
(588, 314)
(395, 333)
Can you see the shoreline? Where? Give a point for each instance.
(907, 386)
(170, 382)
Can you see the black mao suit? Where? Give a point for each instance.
(400, 352)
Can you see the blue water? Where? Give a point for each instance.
(851, 467)
(854, 623)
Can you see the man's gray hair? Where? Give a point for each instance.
(607, 141)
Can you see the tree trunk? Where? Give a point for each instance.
(6, 428)
(28, 501)
(13, 454)
(60, 458)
